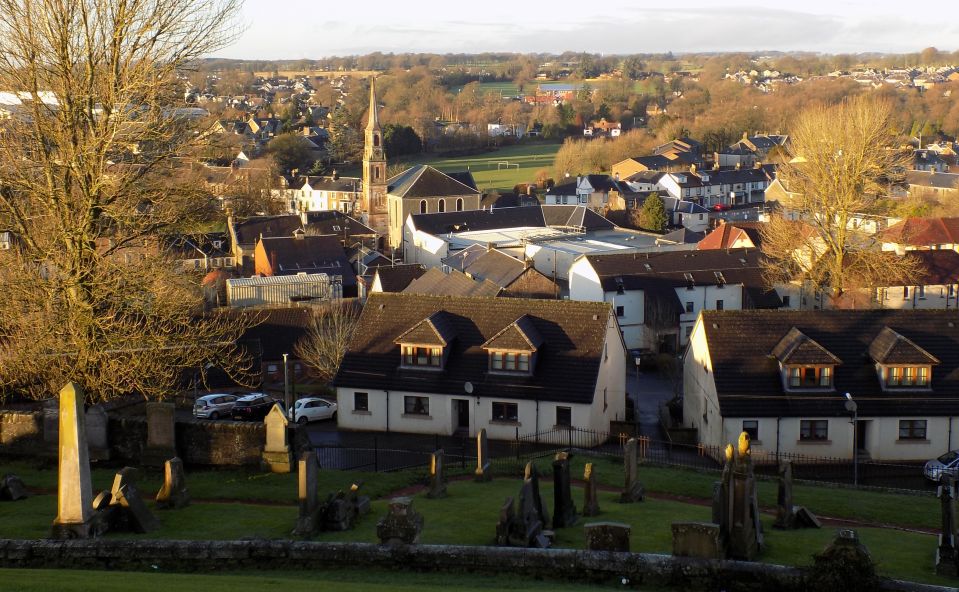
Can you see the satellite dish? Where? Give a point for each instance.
(468, 387)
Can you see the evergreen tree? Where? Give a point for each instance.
(652, 216)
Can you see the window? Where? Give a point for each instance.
(921, 292)
(505, 411)
(442, 205)
(509, 361)
(564, 416)
(907, 376)
(422, 356)
(424, 208)
(689, 307)
(361, 401)
(459, 204)
(912, 429)
(719, 305)
(751, 427)
(813, 429)
(620, 312)
(905, 292)
(416, 405)
(809, 376)
(785, 300)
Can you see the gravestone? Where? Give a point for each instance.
(698, 539)
(947, 555)
(564, 510)
(74, 488)
(12, 488)
(607, 536)
(401, 525)
(528, 528)
(161, 434)
(590, 491)
(127, 509)
(785, 517)
(633, 490)
(276, 453)
(307, 522)
(96, 418)
(51, 425)
(437, 475)
(361, 503)
(173, 493)
(845, 564)
(507, 515)
(483, 468)
(739, 522)
(338, 513)
(532, 475)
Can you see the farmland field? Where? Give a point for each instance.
(507, 89)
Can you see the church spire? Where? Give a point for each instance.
(374, 120)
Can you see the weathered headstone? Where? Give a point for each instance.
(947, 555)
(401, 525)
(338, 513)
(564, 510)
(528, 529)
(532, 475)
(12, 488)
(698, 539)
(739, 523)
(805, 518)
(74, 488)
(361, 503)
(161, 434)
(590, 491)
(276, 454)
(129, 512)
(437, 475)
(483, 467)
(173, 494)
(785, 517)
(633, 491)
(96, 418)
(845, 564)
(607, 536)
(307, 522)
(507, 515)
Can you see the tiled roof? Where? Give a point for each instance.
(727, 234)
(336, 222)
(889, 347)
(250, 230)
(309, 254)
(435, 330)
(455, 283)
(425, 181)
(933, 179)
(575, 216)
(568, 359)
(497, 267)
(922, 232)
(521, 335)
(747, 377)
(472, 220)
(797, 348)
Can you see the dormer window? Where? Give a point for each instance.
(513, 349)
(426, 345)
(805, 364)
(900, 363)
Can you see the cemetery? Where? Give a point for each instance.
(535, 517)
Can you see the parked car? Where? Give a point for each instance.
(312, 409)
(214, 406)
(252, 407)
(721, 207)
(947, 464)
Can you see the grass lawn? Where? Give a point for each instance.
(42, 580)
(222, 509)
(506, 89)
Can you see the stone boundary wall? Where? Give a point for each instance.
(21, 432)
(638, 569)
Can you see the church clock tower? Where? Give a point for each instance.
(374, 170)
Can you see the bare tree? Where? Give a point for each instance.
(845, 160)
(328, 336)
(88, 168)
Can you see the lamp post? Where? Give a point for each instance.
(852, 408)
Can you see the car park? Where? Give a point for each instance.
(252, 407)
(947, 464)
(214, 406)
(312, 409)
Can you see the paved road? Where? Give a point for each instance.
(648, 391)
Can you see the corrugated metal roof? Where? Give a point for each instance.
(306, 278)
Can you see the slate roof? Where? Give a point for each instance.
(310, 254)
(682, 236)
(664, 271)
(455, 283)
(396, 279)
(748, 380)
(797, 348)
(463, 258)
(435, 330)
(521, 335)
(890, 347)
(933, 179)
(342, 184)
(250, 230)
(336, 222)
(425, 181)
(497, 267)
(575, 216)
(472, 220)
(568, 359)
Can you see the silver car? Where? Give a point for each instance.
(947, 464)
(214, 406)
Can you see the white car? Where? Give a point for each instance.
(312, 409)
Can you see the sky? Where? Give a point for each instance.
(297, 29)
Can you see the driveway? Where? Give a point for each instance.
(648, 391)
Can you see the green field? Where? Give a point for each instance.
(505, 89)
(524, 161)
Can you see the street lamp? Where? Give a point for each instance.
(852, 408)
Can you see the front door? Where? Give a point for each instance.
(861, 444)
(461, 415)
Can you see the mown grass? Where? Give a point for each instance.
(346, 580)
